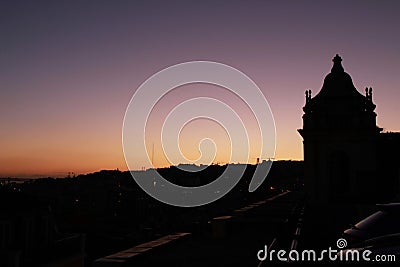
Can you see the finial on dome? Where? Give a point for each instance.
(368, 93)
(337, 59)
(308, 96)
(337, 64)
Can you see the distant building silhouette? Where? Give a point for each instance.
(345, 154)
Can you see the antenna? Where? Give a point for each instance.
(152, 156)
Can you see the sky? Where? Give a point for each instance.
(68, 69)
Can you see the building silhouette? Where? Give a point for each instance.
(346, 157)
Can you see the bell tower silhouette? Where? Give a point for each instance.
(340, 140)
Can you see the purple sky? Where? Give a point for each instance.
(69, 68)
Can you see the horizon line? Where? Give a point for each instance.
(66, 174)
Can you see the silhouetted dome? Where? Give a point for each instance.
(338, 104)
(338, 93)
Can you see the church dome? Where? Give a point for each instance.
(338, 92)
(339, 104)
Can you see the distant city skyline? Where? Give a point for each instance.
(68, 69)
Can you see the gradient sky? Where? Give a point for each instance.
(69, 68)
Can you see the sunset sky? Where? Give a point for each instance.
(68, 69)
